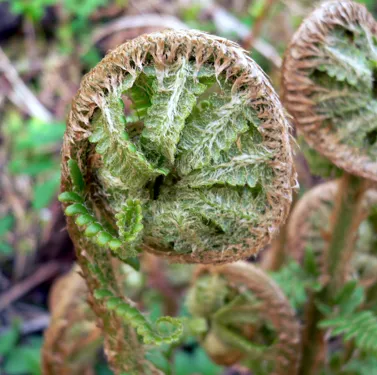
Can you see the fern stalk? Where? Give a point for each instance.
(123, 349)
(313, 339)
(329, 88)
(345, 221)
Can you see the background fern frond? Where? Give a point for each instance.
(296, 280)
(360, 326)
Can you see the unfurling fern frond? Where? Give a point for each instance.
(133, 317)
(177, 145)
(249, 319)
(329, 87)
(309, 228)
(204, 125)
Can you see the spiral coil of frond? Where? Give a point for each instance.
(200, 171)
(329, 83)
(72, 339)
(309, 228)
(242, 304)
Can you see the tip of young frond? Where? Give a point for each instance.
(151, 335)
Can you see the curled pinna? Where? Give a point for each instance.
(248, 319)
(329, 83)
(184, 150)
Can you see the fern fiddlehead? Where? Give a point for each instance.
(176, 144)
(329, 85)
(329, 88)
(249, 319)
(309, 227)
(72, 339)
(211, 171)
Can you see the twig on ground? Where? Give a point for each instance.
(39, 323)
(20, 94)
(44, 273)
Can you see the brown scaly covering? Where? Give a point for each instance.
(309, 226)
(268, 302)
(164, 50)
(329, 75)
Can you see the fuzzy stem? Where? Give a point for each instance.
(312, 339)
(345, 221)
(123, 349)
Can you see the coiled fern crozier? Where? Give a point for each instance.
(249, 319)
(176, 144)
(309, 229)
(72, 339)
(329, 85)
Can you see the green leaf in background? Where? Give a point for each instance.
(8, 339)
(34, 10)
(25, 359)
(361, 327)
(102, 369)
(295, 280)
(45, 191)
(350, 297)
(86, 7)
(39, 133)
(6, 224)
(256, 8)
(196, 362)
(370, 4)
(157, 357)
(5, 248)
(367, 366)
(33, 167)
(91, 57)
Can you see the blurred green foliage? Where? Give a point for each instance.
(33, 10)
(34, 151)
(19, 357)
(297, 280)
(6, 225)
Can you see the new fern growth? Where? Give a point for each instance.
(176, 144)
(309, 228)
(329, 83)
(72, 339)
(249, 319)
(200, 172)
